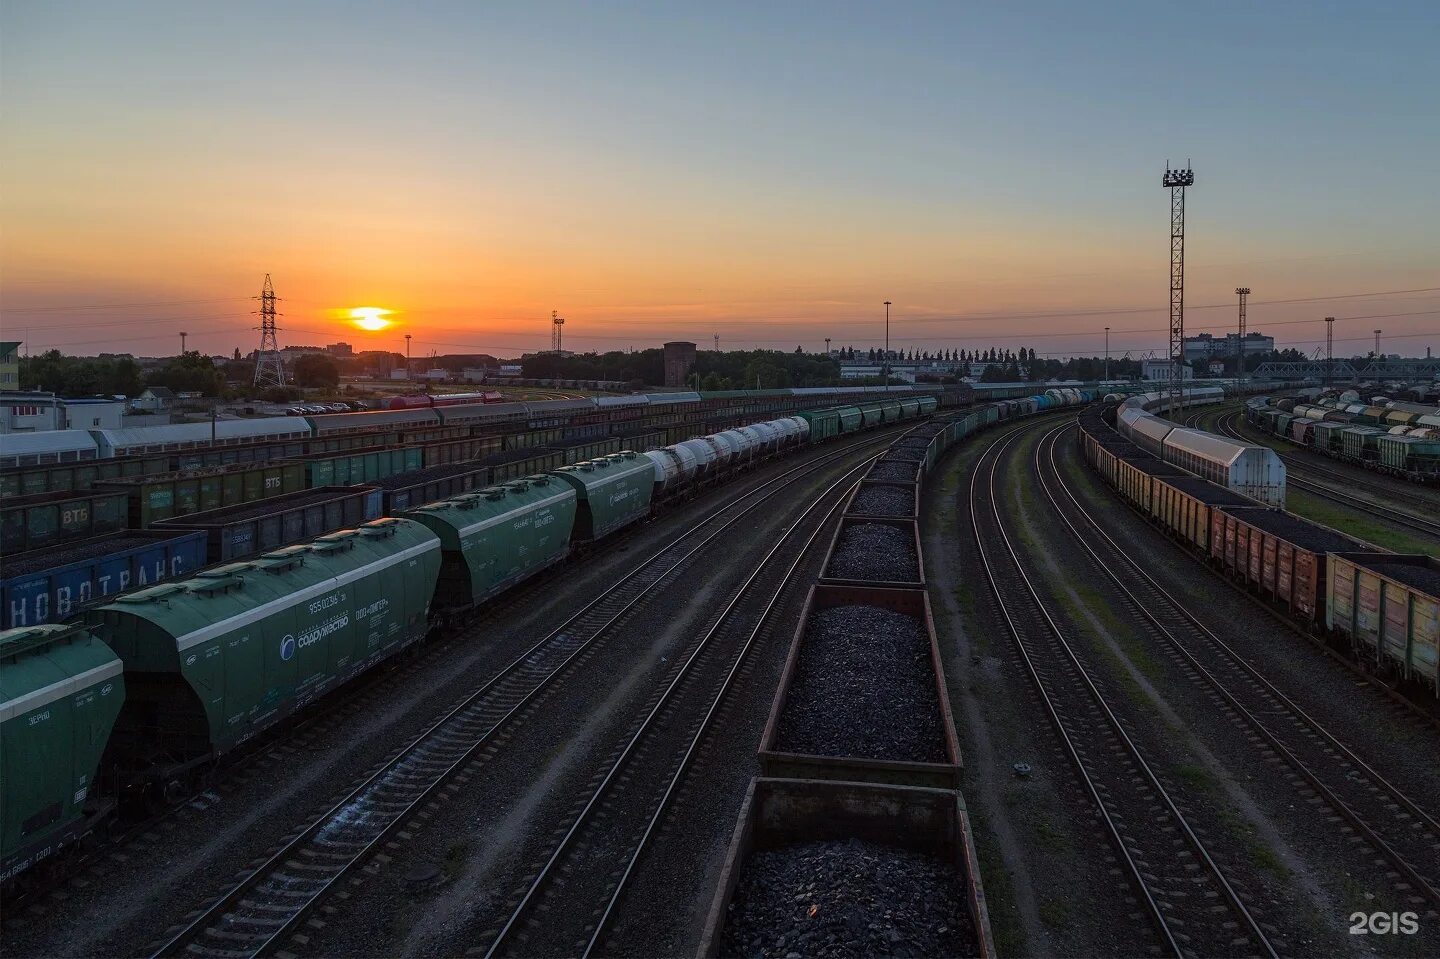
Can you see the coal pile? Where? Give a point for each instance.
(913, 442)
(876, 552)
(903, 472)
(863, 687)
(1419, 577)
(847, 898)
(904, 454)
(876, 500)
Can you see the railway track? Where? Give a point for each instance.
(1393, 824)
(1187, 896)
(1226, 424)
(273, 900)
(569, 901)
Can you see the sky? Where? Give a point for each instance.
(770, 173)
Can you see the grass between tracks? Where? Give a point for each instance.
(1355, 524)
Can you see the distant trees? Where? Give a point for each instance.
(80, 376)
(188, 373)
(315, 371)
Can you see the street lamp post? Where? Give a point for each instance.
(408, 374)
(1107, 354)
(183, 334)
(886, 367)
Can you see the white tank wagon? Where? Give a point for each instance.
(705, 456)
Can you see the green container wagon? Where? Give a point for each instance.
(1410, 454)
(612, 492)
(588, 448)
(163, 496)
(60, 692)
(221, 656)
(1329, 435)
(531, 438)
(460, 450)
(1361, 442)
(496, 537)
(824, 424)
(928, 405)
(519, 463)
(909, 408)
(45, 519)
(352, 467)
(76, 477)
(642, 441)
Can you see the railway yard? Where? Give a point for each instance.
(766, 674)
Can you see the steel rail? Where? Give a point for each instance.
(547, 872)
(1157, 914)
(1413, 815)
(216, 915)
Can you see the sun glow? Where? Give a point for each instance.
(370, 318)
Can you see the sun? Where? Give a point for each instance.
(370, 318)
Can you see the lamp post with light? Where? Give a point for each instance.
(886, 367)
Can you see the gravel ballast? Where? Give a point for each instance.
(864, 687)
(874, 552)
(847, 898)
(877, 500)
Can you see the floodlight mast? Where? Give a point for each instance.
(1176, 181)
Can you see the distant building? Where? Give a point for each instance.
(340, 349)
(10, 365)
(679, 361)
(1204, 346)
(30, 412)
(1159, 370)
(155, 399)
(473, 374)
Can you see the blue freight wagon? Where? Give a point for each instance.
(51, 585)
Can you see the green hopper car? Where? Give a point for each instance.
(213, 660)
(497, 536)
(613, 491)
(60, 692)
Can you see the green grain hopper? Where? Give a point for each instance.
(613, 491)
(60, 691)
(497, 536)
(215, 659)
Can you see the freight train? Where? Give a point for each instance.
(1400, 439)
(1382, 609)
(151, 688)
(156, 684)
(1246, 468)
(69, 446)
(418, 400)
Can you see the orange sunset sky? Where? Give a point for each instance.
(661, 173)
